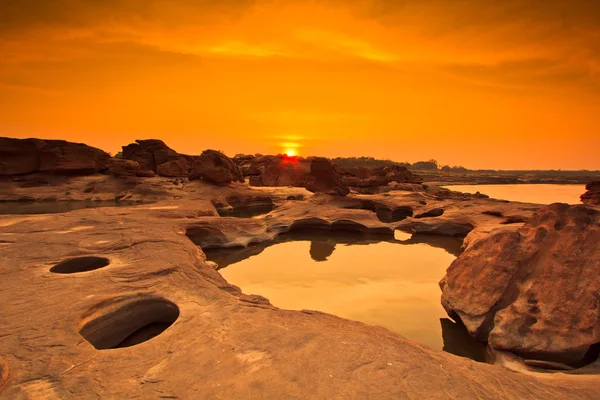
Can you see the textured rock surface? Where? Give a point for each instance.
(324, 178)
(534, 291)
(154, 155)
(219, 343)
(215, 167)
(124, 168)
(280, 171)
(59, 157)
(369, 180)
(592, 196)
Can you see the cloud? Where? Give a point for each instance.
(345, 44)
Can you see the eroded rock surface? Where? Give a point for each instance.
(324, 178)
(592, 195)
(534, 291)
(154, 155)
(215, 167)
(59, 157)
(139, 312)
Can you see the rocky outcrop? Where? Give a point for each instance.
(534, 291)
(592, 196)
(137, 310)
(215, 167)
(369, 180)
(154, 155)
(324, 178)
(58, 157)
(244, 162)
(279, 171)
(124, 168)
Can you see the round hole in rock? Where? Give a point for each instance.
(129, 323)
(80, 264)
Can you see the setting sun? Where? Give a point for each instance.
(290, 153)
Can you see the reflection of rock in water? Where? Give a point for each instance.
(320, 250)
(458, 341)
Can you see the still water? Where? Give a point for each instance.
(527, 193)
(391, 283)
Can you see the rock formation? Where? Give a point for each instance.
(123, 168)
(371, 180)
(154, 155)
(592, 196)
(119, 303)
(215, 167)
(534, 291)
(58, 157)
(323, 178)
(279, 171)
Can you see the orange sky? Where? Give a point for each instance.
(481, 83)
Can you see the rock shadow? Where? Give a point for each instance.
(126, 322)
(80, 264)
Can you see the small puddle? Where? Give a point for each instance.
(55, 207)
(379, 281)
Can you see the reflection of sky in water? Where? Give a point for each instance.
(384, 283)
(538, 194)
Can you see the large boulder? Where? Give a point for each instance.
(592, 196)
(125, 168)
(279, 171)
(215, 167)
(59, 157)
(534, 291)
(324, 178)
(154, 155)
(244, 162)
(373, 177)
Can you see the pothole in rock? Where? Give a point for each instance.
(244, 208)
(377, 279)
(80, 264)
(129, 323)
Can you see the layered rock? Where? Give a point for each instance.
(324, 178)
(369, 180)
(592, 196)
(123, 168)
(534, 291)
(244, 162)
(279, 171)
(154, 155)
(215, 167)
(59, 157)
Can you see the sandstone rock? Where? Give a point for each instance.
(154, 155)
(244, 162)
(18, 156)
(366, 178)
(3, 374)
(534, 291)
(592, 196)
(324, 178)
(435, 212)
(215, 167)
(121, 167)
(173, 168)
(281, 171)
(59, 157)
(221, 343)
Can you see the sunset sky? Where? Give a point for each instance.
(480, 83)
